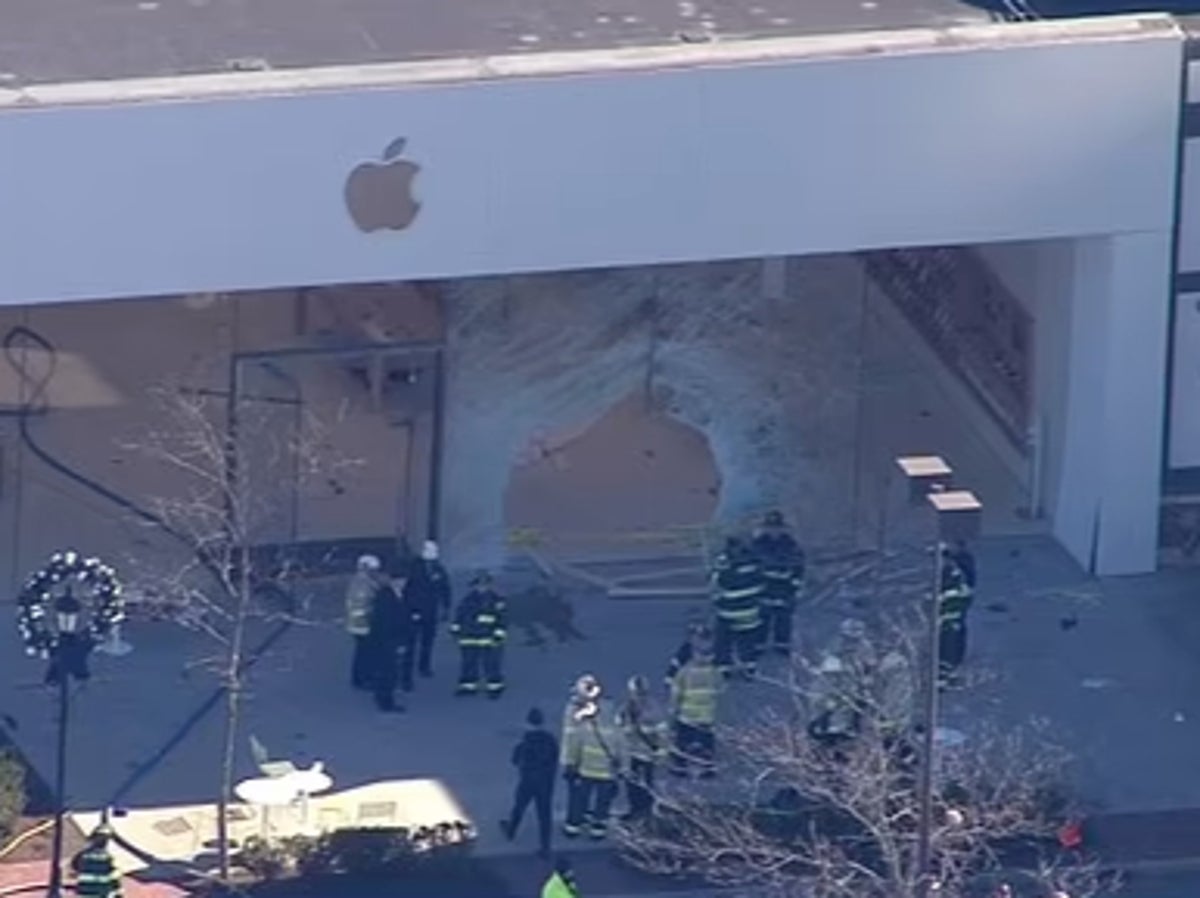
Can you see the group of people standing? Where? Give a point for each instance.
(605, 744)
(394, 618)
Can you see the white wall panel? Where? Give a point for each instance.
(621, 167)
(1185, 386)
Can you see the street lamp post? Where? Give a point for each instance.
(55, 625)
(958, 518)
(68, 660)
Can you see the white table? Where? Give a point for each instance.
(282, 791)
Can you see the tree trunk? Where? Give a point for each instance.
(233, 706)
(228, 755)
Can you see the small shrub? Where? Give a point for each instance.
(394, 851)
(263, 859)
(12, 792)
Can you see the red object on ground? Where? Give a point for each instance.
(1071, 835)
(30, 878)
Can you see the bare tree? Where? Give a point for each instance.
(228, 474)
(818, 795)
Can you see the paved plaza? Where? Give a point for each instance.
(1108, 663)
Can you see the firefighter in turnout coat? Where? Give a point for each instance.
(954, 601)
(583, 691)
(360, 593)
(647, 742)
(596, 761)
(738, 587)
(479, 629)
(96, 875)
(693, 709)
(782, 561)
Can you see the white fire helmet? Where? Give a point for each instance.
(429, 551)
(586, 689)
(369, 563)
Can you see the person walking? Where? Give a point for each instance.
(428, 594)
(390, 630)
(693, 709)
(737, 584)
(782, 562)
(561, 883)
(536, 760)
(479, 628)
(595, 762)
(954, 601)
(646, 734)
(359, 594)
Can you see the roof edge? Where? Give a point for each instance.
(955, 38)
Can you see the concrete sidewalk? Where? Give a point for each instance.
(1109, 663)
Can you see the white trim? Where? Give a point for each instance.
(339, 78)
(1193, 82)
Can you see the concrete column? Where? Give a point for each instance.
(774, 277)
(1106, 513)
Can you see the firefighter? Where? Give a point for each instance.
(842, 677)
(596, 760)
(693, 711)
(737, 591)
(479, 628)
(955, 596)
(360, 593)
(96, 875)
(782, 562)
(646, 734)
(584, 690)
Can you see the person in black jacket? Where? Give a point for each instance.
(536, 760)
(390, 626)
(428, 595)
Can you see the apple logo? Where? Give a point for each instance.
(379, 194)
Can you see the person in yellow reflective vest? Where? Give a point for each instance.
(584, 691)
(647, 740)
(595, 762)
(561, 883)
(737, 585)
(480, 629)
(693, 710)
(360, 593)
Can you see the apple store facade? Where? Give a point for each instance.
(1010, 191)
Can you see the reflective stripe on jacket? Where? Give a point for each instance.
(694, 694)
(738, 592)
(569, 726)
(596, 750)
(480, 620)
(953, 605)
(359, 594)
(96, 875)
(782, 563)
(645, 731)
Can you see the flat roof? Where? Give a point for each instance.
(66, 41)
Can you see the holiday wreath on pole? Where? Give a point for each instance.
(68, 571)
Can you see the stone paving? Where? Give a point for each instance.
(1109, 663)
